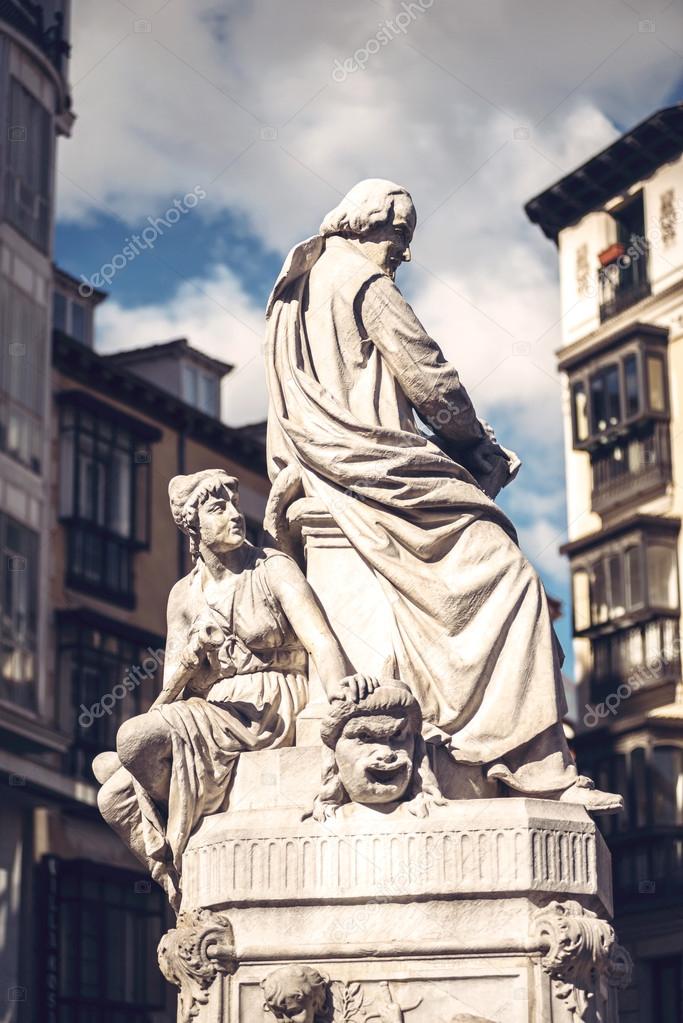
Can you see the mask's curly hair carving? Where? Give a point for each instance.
(301, 981)
(368, 205)
(392, 698)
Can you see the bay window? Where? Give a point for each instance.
(624, 382)
(100, 928)
(104, 494)
(626, 601)
(635, 573)
(620, 414)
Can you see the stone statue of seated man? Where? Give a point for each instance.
(368, 419)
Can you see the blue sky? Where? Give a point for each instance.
(274, 110)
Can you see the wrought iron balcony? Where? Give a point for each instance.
(29, 19)
(637, 464)
(624, 281)
(644, 654)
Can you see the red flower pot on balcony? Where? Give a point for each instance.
(611, 253)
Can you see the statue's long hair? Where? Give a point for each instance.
(368, 205)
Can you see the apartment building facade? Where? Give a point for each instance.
(35, 109)
(88, 554)
(617, 222)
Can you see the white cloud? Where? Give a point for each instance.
(217, 317)
(540, 542)
(439, 109)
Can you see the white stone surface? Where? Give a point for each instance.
(397, 863)
(444, 908)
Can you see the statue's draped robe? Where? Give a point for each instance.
(348, 364)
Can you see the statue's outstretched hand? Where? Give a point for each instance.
(354, 688)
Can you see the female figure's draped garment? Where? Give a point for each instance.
(254, 706)
(348, 363)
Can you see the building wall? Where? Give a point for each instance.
(648, 918)
(595, 231)
(25, 304)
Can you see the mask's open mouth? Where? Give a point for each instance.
(386, 775)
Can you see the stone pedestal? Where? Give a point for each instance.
(493, 907)
(352, 598)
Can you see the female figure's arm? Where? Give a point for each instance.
(300, 605)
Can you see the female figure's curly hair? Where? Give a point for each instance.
(186, 493)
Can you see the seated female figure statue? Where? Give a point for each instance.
(240, 627)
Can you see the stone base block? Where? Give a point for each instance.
(497, 908)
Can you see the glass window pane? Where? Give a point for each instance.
(631, 385)
(28, 167)
(141, 496)
(18, 611)
(612, 395)
(581, 600)
(662, 576)
(208, 390)
(666, 767)
(120, 493)
(639, 789)
(580, 411)
(59, 312)
(598, 404)
(189, 385)
(655, 383)
(66, 473)
(616, 585)
(598, 594)
(77, 321)
(634, 577)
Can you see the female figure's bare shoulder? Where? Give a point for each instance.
(282, 570)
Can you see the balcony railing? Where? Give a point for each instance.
(644, 655)
(625, 281)
(29, 19)
(636, 465)
(648, 868)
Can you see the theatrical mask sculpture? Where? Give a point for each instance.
(375, 754)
